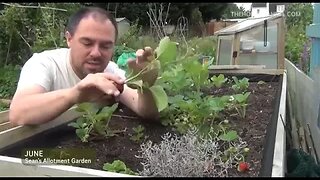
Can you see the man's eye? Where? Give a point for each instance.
(86, 43)
(107, 46)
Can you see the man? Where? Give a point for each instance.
(54, 80)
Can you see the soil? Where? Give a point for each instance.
(252, 129)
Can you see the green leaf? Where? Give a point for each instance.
(108, 167)
(99, 127)
(138, 129)
(241, 98)
(235, 79)
(100, 117)
(82, 122)
(175, 99)
(82, 134)
(86, 107)
(108, 111)
(230, 136)
(216, 104)
(116, 166)
(74, 124)
(261, 82)
(218, 80)
(160, 97)
(166, 51)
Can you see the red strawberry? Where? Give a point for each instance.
(119, 86)
(243, 166)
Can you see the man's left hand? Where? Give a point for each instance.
(143, 58)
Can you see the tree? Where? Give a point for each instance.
(138, 11)
(299, 15)
(233, 11)
(134, 11)
(212, 10)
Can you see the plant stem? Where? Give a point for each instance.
(122, 116)
(10, 40)
(138, 74)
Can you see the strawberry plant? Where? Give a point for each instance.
(118, 167)
(93, 121)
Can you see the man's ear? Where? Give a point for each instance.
(68, 38)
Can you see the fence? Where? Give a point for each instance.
(303, 96)
(303, 102)
(213, 26)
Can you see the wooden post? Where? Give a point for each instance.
(281, 42)
(313, 31)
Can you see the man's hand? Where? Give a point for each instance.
(97, 87)
(144, 58)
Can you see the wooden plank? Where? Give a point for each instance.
(313, 30)
(303, 141)
(310, 142)
(6, 125)
(279, 155)
(249, 71)
(294, 128)
(217, 51)
(13, 167)
(227, 67)
(236, 45)
(19, 133)
(4, 116)
(281, 43)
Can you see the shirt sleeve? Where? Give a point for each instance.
(36, 71)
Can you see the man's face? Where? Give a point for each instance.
(91, 46)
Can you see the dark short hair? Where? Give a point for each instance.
(75, 19)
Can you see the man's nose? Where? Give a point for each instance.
(95, 52)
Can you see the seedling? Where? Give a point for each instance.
(119, 167)
(218, 81)
(240, 85)
(138, 134)
(240, 103)
(93, 120)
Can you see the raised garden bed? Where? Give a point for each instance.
(261, 130)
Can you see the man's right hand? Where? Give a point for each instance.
(95, 87)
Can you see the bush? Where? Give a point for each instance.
(8, 80)
(297, 42)
(187, 156)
